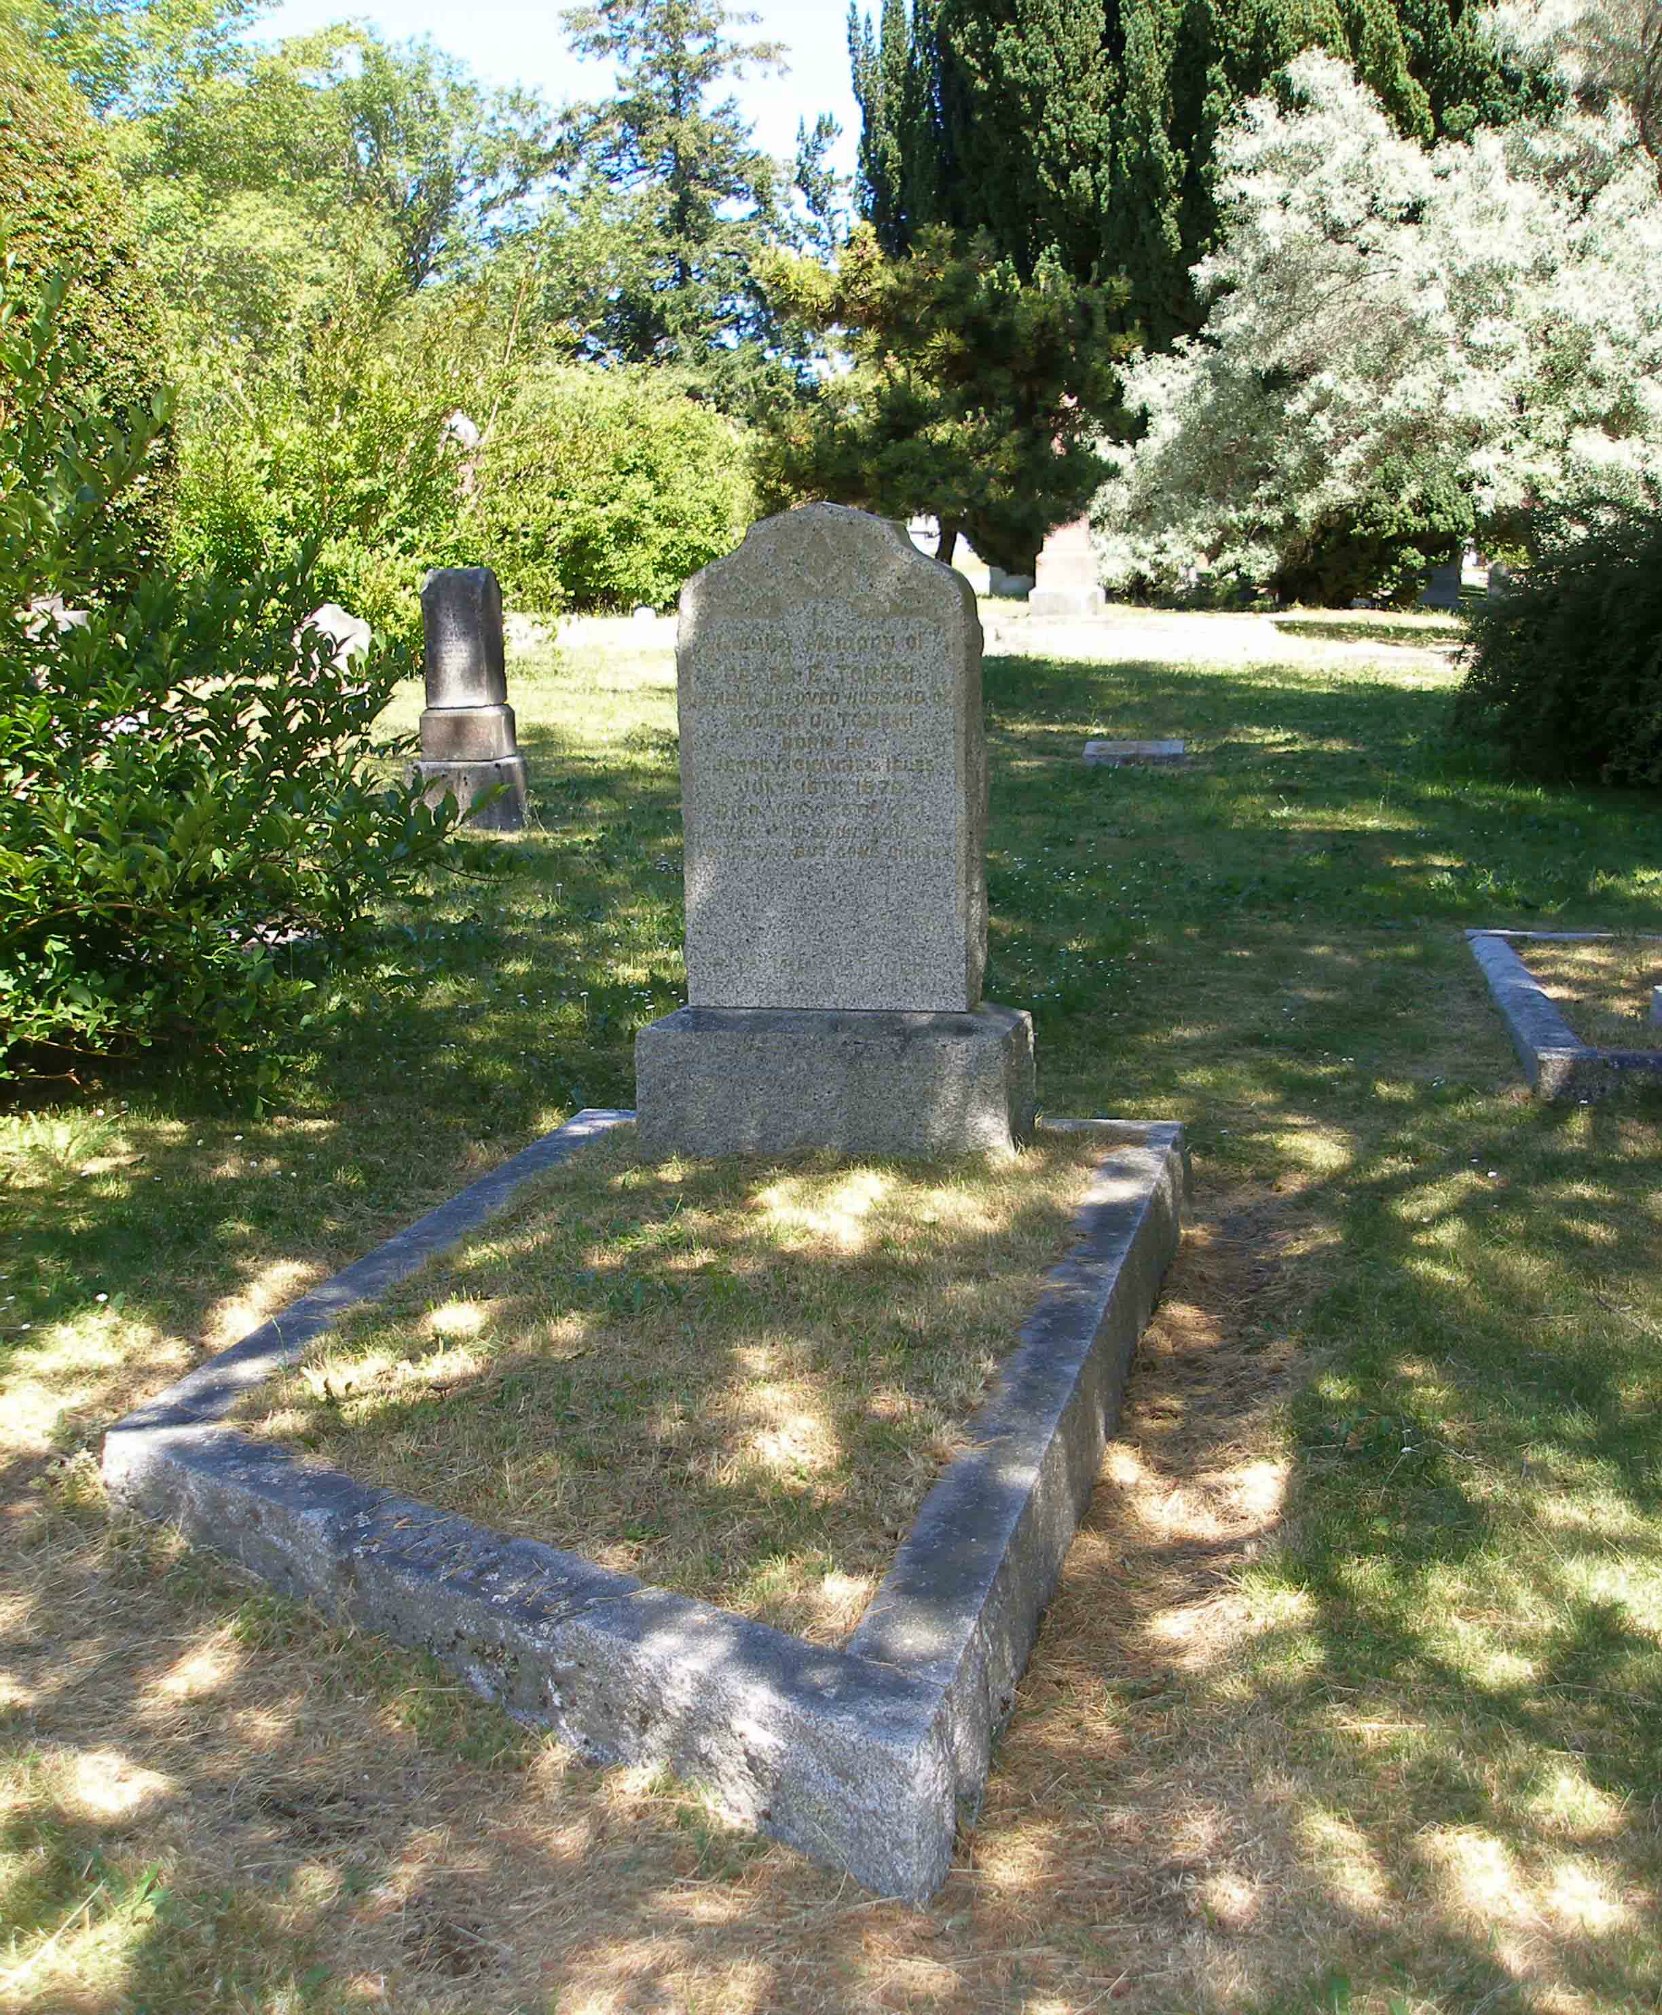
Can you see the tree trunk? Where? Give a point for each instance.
(947, 545)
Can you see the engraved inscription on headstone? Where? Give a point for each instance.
(833, 780)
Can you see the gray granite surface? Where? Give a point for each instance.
(833, 772)
(769, 1080)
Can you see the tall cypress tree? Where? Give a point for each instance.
(1085, 130)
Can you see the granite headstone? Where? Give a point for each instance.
(1065, 582)
(833, 776)
(468, 742)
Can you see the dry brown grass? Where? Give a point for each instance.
(736, 1379)
(1393, 1751)
(330, 1798)
(1602, 984)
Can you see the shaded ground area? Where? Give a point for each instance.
(736, 1379)
(1350, 1698)
(1602, 985)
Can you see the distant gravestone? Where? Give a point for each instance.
(833, 779)
(350, 634)
(1007, 586)
(1065, 579)
(1442, 587)
(1120, 755)
(468, 743)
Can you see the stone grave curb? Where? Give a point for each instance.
(1557, 1063)
(861, 1757)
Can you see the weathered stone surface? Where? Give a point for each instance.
(1442, 586)
(461, 624)
(467, 783)
(962, 1602)
(1115, 755)
(1558, 1064)
(468, 745)
(1065, 582)
(468, 734)
(833, 772)
(772, 1080)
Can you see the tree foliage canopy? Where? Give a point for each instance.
(971, 394)
(1404, 345)
(1089, 127)
(63, 214)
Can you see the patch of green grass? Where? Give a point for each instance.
(1408, 628)
(1452, 1649)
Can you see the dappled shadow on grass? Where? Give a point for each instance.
(1365, 1717)
(736, 1379)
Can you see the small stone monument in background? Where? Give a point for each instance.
(467, 731)
(834, 790)
(1442, 586)
(1064, 576)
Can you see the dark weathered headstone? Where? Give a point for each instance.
(468, 745)
(1442, 587)
(833, 777)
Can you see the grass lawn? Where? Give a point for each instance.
(1602, 986)
(1352, 1694)
(731, 1378)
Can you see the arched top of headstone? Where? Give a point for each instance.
(461, 619)
(833, 771)
(821, 553)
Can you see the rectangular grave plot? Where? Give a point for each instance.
(861, 1755)
(1558, 1062)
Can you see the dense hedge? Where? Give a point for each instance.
(63, 213)
(1566, 672)
(605, 489)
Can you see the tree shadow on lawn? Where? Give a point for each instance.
(1403, 1717)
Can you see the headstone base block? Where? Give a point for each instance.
(468, 734)
(468, 782)
(713, 1081)
(1069, 604)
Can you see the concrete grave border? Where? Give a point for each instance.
(1558, 1064)
(863, 1757)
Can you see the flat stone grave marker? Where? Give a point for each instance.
(833, 777)
(1116, 755)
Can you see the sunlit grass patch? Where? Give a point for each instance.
(732, 1378)
(1351, 1700)
(1603, 986)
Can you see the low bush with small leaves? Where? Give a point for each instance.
(1566, 673)
(604, 489)
(188, 778)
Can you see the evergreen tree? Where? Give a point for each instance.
(1086, 129)
(701, 196)
(967, 394)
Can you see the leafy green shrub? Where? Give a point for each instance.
(336, 448)
(1566, 673)
(62, 209)
(183, 770)
(606, 489)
